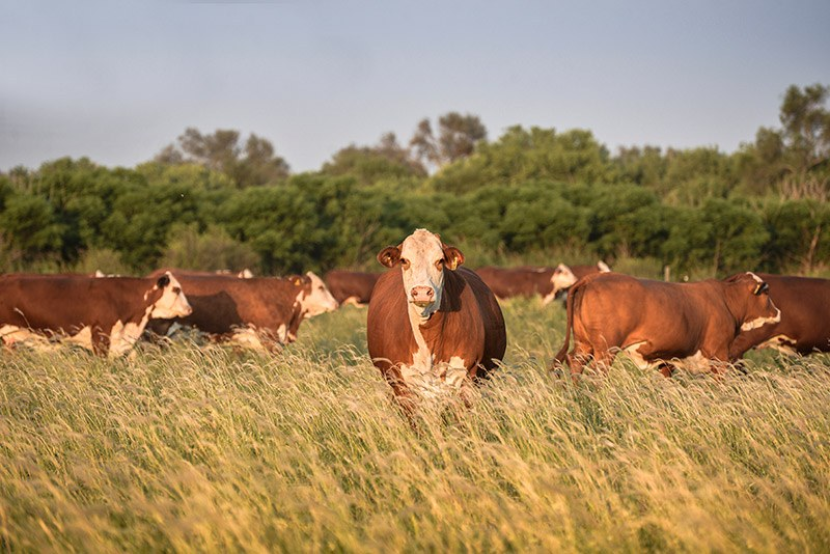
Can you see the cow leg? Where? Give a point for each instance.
(578, 358)
(100, 341)
(405, 398)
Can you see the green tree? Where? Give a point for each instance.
(255, 164)
(521, 155)
(29, 228)
(800, 234)
(385, 161)
(723, 235)
(457, 138)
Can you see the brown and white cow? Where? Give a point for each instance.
(432, 326)
(565, 276)
(525, 281)
(351, 287)
(805, 318)
(261, 313)
(105, 315)
(663, 325)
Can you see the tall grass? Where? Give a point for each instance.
(187, 449)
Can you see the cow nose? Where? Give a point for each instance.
(422, 294)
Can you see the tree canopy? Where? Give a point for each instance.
(532, 193)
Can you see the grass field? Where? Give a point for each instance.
(209, 450)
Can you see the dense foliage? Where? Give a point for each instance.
(532, 194)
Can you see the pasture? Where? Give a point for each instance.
(188, 449)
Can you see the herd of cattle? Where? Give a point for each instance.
(432, 325)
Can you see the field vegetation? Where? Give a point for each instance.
(208, 449)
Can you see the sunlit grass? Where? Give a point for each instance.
(211, 450)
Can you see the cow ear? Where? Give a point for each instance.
(163, 281)
(761, 288)
(453, 257)
(389, 256)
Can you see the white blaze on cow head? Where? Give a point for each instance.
(423, 258)
(172, 302)
(756, 307)
(315, 298)
(562, 279)
(766, 312)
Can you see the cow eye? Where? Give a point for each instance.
(177, 290)
(405, 263)
(439, 263)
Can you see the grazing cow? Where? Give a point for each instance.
(432, 325)
(262, 313)
(564, 276)
(351, 287)
(691, 325)
(519, 281)
(105, 315)
(805, 318)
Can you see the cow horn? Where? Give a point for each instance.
(762, 287)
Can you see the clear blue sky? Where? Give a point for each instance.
(119, 80)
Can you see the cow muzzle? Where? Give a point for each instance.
(422, 296)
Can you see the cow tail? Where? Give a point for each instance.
(572, 305)
(569, 303)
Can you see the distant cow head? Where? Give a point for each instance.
(315, 297)
(168, 299)
(563, 278)
(753, 306)
(423, 258)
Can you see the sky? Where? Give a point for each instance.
(118, 80)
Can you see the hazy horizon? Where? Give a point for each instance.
(117, 83)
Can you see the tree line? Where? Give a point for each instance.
(213, 200)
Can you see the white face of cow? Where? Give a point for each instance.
(319, 300)
(563, 278)
(173, 302)
(422, 257)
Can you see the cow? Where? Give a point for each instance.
(564, 276)
(662, 325)
(261, 313)
(805, 318)
(432, 325)
(244, 274)
(106, 316)
(351, 287)
(525, 281)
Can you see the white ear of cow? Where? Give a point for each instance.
(603, 267)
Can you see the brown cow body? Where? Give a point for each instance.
(351, 287)
(104, 315)
(805, 318)
(435, 333)
(659, 324)
(518, 281)
(258, 312)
